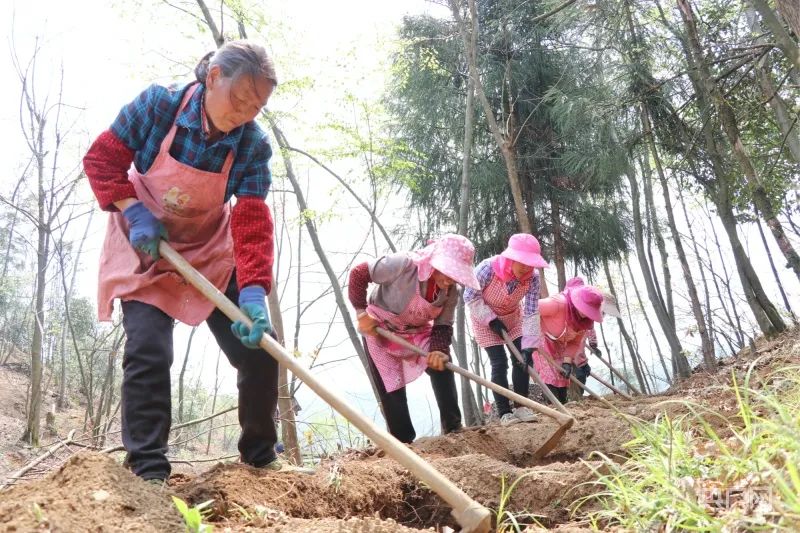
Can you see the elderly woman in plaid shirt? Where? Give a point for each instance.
(167, 168)
(507, 302)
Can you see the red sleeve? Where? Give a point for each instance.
(253, 245)
(106, 165)
(357, 286)
(441, 338)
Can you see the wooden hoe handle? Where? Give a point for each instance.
(472, 516)
(561, 418)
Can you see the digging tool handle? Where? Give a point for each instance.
(572, 377)
(619, 375)
(511, 395)
(472, 516)
(577, 382)
(610, 386)
(535, 375)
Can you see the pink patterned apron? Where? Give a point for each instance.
(554, 347)
(397, 365)
(190, 203)
(505, 306)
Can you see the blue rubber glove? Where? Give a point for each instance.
(251, 302)
(145, 229)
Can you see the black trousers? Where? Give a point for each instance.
(146, 390)
(395, 403)
(519, 374)
(559, 392)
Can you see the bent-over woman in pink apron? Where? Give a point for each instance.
(566, 319)
(167, 168)
(508, 301)
(415, 297)
(581, 362)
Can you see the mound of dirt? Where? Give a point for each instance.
(90, 492)
(366, 491)
(340, 488)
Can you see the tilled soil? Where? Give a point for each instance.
(367, 491)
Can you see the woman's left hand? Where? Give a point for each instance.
(437, 360)
(252, 304)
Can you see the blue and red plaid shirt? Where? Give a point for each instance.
(144, 123)
(136, 137)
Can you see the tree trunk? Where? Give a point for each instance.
(558, 242)
(719, 191)
(31, 435)
(288, 422)
(661, 359)
(766, 315)
(782, 113)
(213, 402)
(608, 352)
(790, 11)
(318, 248)
(707, 346)
(782, 38)
(624, 332)
(778, 281)
(731, 128)
(655, 227)
(505, 142)
(662, 314)
(182, 376)
(735, 323)
(472, 414)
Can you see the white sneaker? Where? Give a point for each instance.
(524, 414)
(508, 419)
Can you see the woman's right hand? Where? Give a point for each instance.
(367, 324)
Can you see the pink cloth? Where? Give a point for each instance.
(575, 321)
(452, 255)
(505, 306)
(558, 340)
(396, 364)
(503, 269)
(191, 205)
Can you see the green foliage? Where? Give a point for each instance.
(194, 516)
(564, 139)
(686, 474)
(506, 520)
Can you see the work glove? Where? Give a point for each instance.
(498, 327)
(595, 350)
(251, 302)
(145, 230)
(437, 360)
(567, 369)
(367, 324)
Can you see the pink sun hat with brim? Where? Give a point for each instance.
(589, 301)
(452, 255)
(524, 248)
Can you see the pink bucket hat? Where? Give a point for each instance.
(589, 301)
(452, 255)
(524, 248)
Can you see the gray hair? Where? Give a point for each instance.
(236, 59)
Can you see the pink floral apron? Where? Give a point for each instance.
(397, 365)
(505, 306)
(191, 205)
